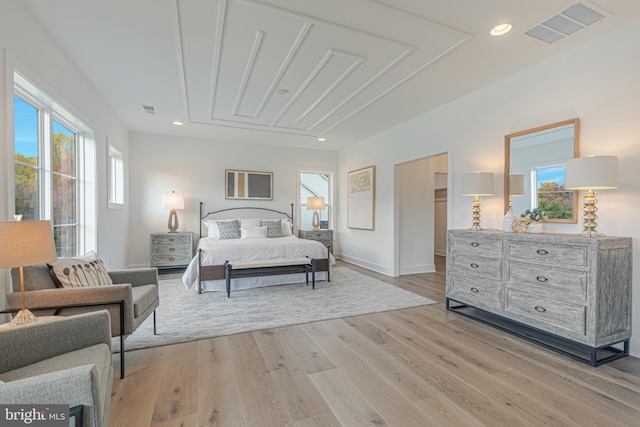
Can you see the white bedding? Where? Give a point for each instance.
(216, 252)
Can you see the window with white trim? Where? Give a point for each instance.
(116, 178)
(316, 183)
(54, 156)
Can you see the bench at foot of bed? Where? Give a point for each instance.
(268, 267)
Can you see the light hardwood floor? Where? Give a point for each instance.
(415, 367)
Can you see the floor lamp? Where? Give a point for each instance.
(25, 243)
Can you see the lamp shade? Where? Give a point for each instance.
(516, 185)
(172, 200)
(477, 184)
(26, 243)
(592, 173)
(315, 203)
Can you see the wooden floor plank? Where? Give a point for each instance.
(419, 366)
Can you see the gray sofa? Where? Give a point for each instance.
(59, 360)
(137, 288)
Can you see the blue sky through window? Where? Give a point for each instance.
(552, 174)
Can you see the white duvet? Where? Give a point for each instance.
(216, 252)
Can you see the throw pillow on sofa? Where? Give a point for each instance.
(79, 272)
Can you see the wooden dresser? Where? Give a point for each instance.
(568, 293)
(171, 250)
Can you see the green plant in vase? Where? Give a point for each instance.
(536, 216)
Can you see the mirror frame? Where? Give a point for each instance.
(507, 162)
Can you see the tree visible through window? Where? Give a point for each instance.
(553, 199)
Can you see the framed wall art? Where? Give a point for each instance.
(362, 198)
(248, 185)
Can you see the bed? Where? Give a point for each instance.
(220, 242)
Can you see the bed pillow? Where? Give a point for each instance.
(229, 229)
(80, 272)
(249, 222)
(274, 229)
(212, 229)
(253, 233)
(286, 227)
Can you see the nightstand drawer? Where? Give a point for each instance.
(166, 260)
(170, 239)
(323, 236)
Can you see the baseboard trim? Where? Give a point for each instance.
(365, 264)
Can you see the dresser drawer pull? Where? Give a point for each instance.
(542, 252)
(540, 309)
(172, 249)
(171, 258)
(475, 244)
(542, 279)
(475, 290)
(171, 239)
(474, 265)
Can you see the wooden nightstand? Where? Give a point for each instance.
(170, 250)
(323, 236)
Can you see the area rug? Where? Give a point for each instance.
(184, 315)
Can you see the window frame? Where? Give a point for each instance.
(50, 110)
(115, 172)
(329, 205)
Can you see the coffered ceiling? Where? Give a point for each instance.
(289, 71)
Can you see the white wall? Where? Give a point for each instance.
(598, 82)
(195, 167)
(25, 46)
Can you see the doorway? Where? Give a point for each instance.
(422, 222)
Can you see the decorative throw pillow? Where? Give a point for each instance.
(80, 272)
(287, 227)
(274, 229)
(229, 229)
(253, 233)
(212, 229)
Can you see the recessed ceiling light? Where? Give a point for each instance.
(177, 123)
(501, 29)
(321, 139)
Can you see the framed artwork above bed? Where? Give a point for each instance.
(248, 185)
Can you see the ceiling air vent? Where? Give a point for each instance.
(149, 109)
(566, 23)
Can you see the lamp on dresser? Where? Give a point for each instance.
(477, 184)
(589, 174)
(25, 243)
(172, 201)
(315, 204)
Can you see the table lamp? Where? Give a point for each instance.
(25, 243)
(516, 188)
(589, 174)
(477, 184)
(172, 201)
(315, 204)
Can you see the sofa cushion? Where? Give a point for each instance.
(80, 272)
(143, 297)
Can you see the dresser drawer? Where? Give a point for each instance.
(477, 245)
(168, 239)
(549, 253)
(546, 311)
(168, 260)
(489, 268)
(477, 293)
(552, 279)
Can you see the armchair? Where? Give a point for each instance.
(59, 360)
(137, 288)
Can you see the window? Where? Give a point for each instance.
(552, 198)
(52, 168)
(316, 184)
(116, 178)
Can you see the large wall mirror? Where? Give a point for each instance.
(540, 156)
